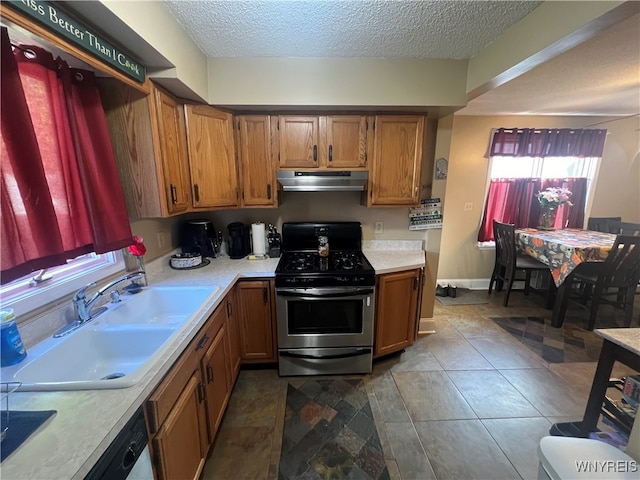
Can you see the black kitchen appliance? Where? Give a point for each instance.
(199, 236)
(239, 240)
(324, 304)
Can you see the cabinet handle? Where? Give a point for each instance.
(264, 295)
(330, 153)
(201, 393)
(315, 153)
(209, 373)
(229, 312)
(203, 341)
(174, 194)
(196, 192)
(268, 191)
(415, 283)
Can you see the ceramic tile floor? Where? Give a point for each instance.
(470, 401)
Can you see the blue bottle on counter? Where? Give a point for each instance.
(11, 349)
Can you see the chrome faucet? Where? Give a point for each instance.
(83, 307)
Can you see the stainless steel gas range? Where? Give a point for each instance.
(324, 300)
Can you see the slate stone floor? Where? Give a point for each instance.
(470, 401)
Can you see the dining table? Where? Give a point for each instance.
(564, 251)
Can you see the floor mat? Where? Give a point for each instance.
(329, 433)
(569, 343)
(464, 296)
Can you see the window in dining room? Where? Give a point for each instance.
(524, 162)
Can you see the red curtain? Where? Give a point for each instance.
(61, 194)
(513, 200)
(558, 142)
(510, 200)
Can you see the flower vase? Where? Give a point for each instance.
(548, 219)
(140, 266)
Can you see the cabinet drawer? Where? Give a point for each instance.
(166, 394)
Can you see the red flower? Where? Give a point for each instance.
(138, 249)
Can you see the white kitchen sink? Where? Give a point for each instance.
(116, 349)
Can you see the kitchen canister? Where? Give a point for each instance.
(12, 350)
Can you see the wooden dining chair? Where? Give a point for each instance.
(603, 224)
(626, 228)
(613, 281)
(508, 262)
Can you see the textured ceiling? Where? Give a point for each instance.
(347, 28)
(599, 77)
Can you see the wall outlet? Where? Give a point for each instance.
(378, 228)
(468, 206)
(162, 242)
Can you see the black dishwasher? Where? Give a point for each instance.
(128, 456)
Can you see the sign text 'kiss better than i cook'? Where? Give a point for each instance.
(54, 19)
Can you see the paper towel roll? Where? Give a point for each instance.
(258, 234)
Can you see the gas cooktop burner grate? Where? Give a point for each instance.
(312, 262)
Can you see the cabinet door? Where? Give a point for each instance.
(171, 142)
(178, 448)
(215, 371)
(253, 300)
(235, 356)
(299, 141)
(257, 170)
(212, 159)
(397, 160)
(345, 141)
(396, 311)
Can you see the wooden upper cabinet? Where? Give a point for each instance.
(299, 138)
(397, 297)
(149, 144)
(257, 168)
(171, 139)
(212, 158)
(394, 178)
(334, 141)
(345, 141)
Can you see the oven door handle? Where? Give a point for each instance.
(324, 292)
(356, 353)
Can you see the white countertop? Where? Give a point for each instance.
(628, 338)
(86, 422)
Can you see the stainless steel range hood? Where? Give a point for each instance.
(322, 181)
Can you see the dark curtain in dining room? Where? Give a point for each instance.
(513, 200)
(61, 194)
(554, 142)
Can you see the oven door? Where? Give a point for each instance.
(325, 317)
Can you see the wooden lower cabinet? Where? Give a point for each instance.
(233, 330)
(255, 306)
(185, 410)
(216, 372)
(178, 447)
(397, 296)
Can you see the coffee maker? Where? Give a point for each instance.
(199, 236)
(239, 240)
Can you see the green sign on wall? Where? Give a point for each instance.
(53, 18)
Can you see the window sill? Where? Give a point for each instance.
(486, 245)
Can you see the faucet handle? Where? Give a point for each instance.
(81, 294)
